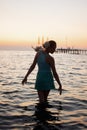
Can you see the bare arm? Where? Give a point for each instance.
(30, 69)
(52, 64)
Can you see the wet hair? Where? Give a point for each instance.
(48, 44)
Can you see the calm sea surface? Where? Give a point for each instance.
(18, 104)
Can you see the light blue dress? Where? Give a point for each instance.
(44, 79)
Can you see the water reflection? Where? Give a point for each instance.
(48, 117)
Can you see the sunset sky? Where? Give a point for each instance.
(23, 21)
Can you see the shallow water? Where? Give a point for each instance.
(19, 104)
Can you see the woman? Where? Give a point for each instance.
(46, 71)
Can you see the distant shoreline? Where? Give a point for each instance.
(30, 49)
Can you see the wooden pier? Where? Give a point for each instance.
(71, 51)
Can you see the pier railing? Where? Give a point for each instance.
(71, 51)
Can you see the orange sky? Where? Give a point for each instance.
(22, 22)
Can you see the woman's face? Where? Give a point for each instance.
(52, 49)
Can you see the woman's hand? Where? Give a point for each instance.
(24, 81)
(60, 89)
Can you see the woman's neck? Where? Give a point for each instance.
(47, 51)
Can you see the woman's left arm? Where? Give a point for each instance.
(30, 69)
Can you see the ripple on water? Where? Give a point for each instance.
(19, 104)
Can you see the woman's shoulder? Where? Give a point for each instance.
(50, 59)
(38, 53)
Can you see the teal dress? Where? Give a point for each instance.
(44, 79)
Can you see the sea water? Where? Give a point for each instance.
(18, 104)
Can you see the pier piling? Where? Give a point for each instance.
(71, 51)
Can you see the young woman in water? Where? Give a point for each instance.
(46, 71)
